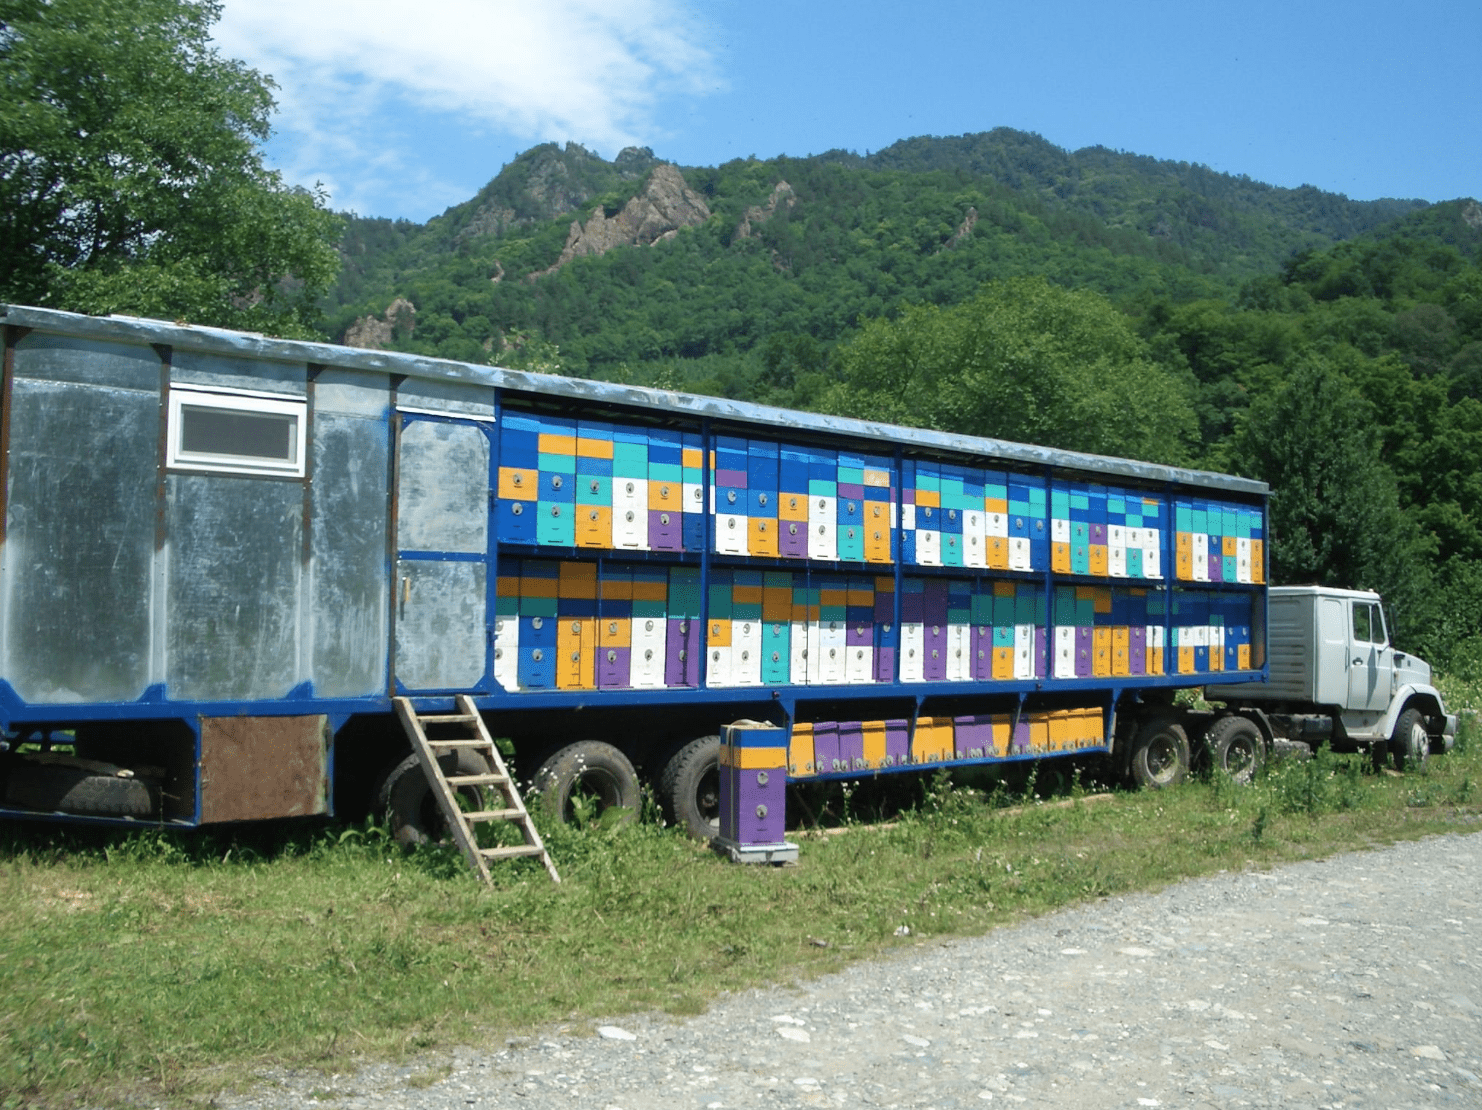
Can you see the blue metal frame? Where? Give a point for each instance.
(707, 415)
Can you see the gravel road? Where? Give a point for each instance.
(1354, 981)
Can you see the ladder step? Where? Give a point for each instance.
(512, 852)
(474, 737)
(476, 780)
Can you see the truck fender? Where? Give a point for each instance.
(1425, 698)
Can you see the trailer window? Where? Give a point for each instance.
(236, 434)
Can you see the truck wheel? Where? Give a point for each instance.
(690, 788)
(1160, 754)
(408, 803)
(1410, 743)
(1236, 748)
(54, 788)
(583, 781)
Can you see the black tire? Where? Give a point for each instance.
(689, 788)
(54, 788)
(406, 797)
(590, 768)
(1410, 743)
(1237, 749)
(1159, 757)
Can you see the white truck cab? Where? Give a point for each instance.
(1335, 675)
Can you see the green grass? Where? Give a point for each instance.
(163, 966)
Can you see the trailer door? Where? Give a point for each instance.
(440, 603)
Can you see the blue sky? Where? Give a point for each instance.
(403, 110)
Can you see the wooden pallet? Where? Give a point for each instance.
(473, 736)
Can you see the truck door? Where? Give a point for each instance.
(442, 542)
(1370, 662)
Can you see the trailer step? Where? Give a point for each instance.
(444, 787)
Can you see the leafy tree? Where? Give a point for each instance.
(1335, 510)
(1024, 360)
(130, 175)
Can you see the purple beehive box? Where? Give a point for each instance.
(1083, 644)
(826, 747)
(666, 530)
(936, 601)
(792, 539)
(885, 663)
(614, 667)
(897, 743)
(1019, 745)
(851, 745)
(681, 653)
(972, 737)
(753, 785)
(982, 646)
(1137, 650)
(934, 658)
(1041, 652)
(1216, 564)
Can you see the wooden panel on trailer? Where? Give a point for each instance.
(254, 768)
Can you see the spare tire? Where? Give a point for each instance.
(592, 769)
(57, 788)
(407, 800)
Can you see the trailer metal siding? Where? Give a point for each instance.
(79, 545)
(691, 407)
(549, 544)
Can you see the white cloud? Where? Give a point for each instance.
(354, 73)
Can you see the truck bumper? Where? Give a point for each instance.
(1450, 729)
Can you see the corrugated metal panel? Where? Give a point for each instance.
(218, 341)
(79, 543)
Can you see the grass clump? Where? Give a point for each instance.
(161, 965)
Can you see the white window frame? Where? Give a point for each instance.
(179, 459)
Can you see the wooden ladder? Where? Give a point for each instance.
(476, 738)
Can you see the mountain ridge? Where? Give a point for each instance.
(850, 235)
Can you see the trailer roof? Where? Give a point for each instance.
(221, 341)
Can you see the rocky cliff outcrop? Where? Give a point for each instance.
(782, 196)
(376, 333)
(964, 229)
(548, 181)
(663, 206)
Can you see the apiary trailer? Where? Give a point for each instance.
(224, 555)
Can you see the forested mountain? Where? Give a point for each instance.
(995, 284)
(809, 246)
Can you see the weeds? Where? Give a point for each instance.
(172, 962)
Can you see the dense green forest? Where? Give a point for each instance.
(995, 284)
